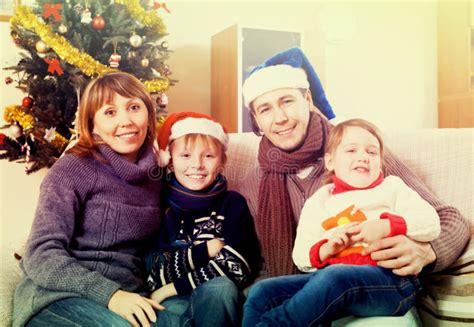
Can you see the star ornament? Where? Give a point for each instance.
(50, 134)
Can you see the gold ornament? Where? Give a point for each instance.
(145, 62)
(135, 40)
(15, 131)
(41, 47)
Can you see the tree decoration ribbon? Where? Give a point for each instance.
(25, 17)
(53, 66)
(51, 9)
(14, 113)
(157, 5)
(137, 12)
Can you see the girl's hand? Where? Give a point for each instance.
(163, 293)
(136, 309)
(370, 230)
(336, 243)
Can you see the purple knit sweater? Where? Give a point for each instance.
(93, 223)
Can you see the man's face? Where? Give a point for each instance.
(283, 116)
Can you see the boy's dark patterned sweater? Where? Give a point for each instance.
(182, 256)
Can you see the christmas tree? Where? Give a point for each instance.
(64, 45)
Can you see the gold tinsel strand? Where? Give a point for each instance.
(156, 85)
(14, 113)
(59, 141)
(160, 121)
(149, 19)
(25, 17)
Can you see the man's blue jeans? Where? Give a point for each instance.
(215, 303)
(329, 294)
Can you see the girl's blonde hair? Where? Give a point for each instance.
(337, 133)
(100, 91)
(190, 140)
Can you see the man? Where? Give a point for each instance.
(281, 95)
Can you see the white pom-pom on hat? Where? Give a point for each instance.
(164, 157)
(183, 123)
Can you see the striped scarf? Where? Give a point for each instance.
(184, 199)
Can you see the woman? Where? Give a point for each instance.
(97, 211)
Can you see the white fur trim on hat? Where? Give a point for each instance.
(272, 78)
(204, 126)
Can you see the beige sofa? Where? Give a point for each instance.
(443, 158)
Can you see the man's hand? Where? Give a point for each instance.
(136, 309)
(401, 254)
(163, 293)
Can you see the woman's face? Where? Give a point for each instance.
(122, 125)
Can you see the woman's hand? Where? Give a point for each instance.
(136, 309)
(163, 293)
(214, 246)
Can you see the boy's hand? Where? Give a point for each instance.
(163, 293)
(214, 246)
(370, 230)
(136, 309)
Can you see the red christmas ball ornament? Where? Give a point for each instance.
(98, 22)
(27, 102)
(8, 80)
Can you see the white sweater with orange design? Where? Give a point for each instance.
(328, 211)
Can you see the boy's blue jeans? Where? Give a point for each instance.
(215, 303)
(328, 294)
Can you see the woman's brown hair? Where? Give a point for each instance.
(100, 91)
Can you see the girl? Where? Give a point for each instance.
(97, 211)
(208, 249)
(360, 206)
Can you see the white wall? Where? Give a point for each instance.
(376, 60)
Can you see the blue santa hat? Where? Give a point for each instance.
(287, 69)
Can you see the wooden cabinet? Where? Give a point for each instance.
(235, 51)
(456, 63)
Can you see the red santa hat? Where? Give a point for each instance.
(182, 123)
